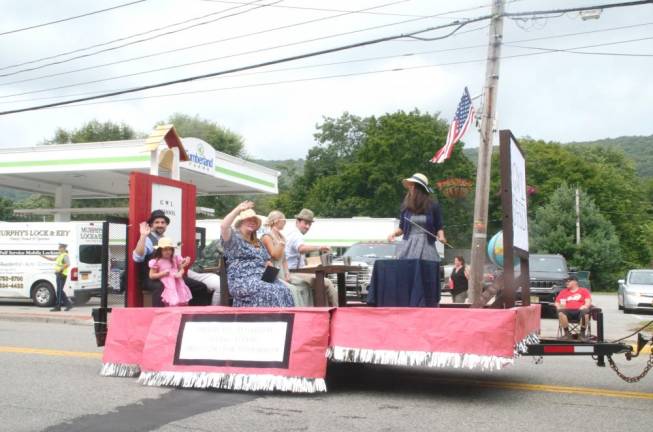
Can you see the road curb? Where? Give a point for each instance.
(70, 319)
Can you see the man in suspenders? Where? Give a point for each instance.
(150, 233)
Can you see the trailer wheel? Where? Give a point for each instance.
(43, 294)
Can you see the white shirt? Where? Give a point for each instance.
(294, 239)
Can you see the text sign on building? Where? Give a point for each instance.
(519, 203)
(201, 156)
(168, 199)
(244, 340)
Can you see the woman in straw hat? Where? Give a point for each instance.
(420, 222)
(275, 243)
(247, 258)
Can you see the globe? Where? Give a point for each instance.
(495, 250)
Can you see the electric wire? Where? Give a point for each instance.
(145, 39)
(415, 53)
(290, 58)
(290, 81)
(256, 33)
(70, 18)
(61, 54)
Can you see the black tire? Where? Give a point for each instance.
(621, 307)
(43, 294)
(81, 299)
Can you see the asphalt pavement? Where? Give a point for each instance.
(50, 382)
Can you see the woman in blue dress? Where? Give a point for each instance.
(246, 259)
(420, 222)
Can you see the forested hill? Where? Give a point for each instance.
(637, 148)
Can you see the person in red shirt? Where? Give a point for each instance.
(573, 303)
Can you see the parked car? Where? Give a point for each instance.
(636, 291)
(364, 254)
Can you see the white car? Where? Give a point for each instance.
(636, 291)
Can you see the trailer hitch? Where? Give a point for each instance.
(641, 343)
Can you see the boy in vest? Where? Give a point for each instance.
(61, 269)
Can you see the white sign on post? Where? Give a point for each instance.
(168, 199)
(519, 214)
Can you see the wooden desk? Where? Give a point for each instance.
(320, 272)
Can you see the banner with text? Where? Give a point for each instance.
(253, 349)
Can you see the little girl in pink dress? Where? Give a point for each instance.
(168, 267)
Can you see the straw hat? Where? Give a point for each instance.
(165, 242)
(247, 214)
(419, 179)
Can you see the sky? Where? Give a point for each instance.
(558, 96)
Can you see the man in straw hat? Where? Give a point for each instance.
(61, 269)
(296, 249)
(150, 233)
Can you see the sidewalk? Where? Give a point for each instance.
(15, 311)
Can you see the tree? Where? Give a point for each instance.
(93, 131)
(554, 231)
(606, 174)
(357, 167)
(218, 137)
(6, 209)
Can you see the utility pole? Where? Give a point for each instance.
(577, 216)
(479, 238)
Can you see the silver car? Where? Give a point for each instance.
(636, 291)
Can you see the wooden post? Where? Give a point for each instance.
(479, 236)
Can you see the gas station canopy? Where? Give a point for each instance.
(101, 169)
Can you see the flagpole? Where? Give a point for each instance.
(479, 237)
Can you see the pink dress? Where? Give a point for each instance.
(175, 292)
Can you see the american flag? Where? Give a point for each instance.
(465, 114)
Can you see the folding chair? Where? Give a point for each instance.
(575, 325)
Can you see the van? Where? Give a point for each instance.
(26, 273)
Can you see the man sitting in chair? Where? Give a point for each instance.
(573, 304)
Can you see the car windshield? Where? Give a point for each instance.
(380, 250)
(547, 264)
(641, 278)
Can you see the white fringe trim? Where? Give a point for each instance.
(429, 359)
(242, 382)
(120, 370)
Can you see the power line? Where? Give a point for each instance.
(255, 51)
(343, 62)
(267, 31)
(329, 10)
(457, 24)
(123, 38)
(70, 18)
(291, 81)
(576, 9)
(253, 66)
(146, 39)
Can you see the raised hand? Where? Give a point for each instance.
(245, 205)
(145, 229)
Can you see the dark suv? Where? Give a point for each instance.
(548, 274)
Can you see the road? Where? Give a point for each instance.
(50, 382)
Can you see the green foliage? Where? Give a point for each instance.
(608, 176)
(220, 138)
(357, 167)
(93, 131)
(637, 148)
(6, 210)
(554, 231)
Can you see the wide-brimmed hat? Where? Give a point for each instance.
(165, 242)
(419, 179)
(306, 215)
(156, 214)
(63, 245)
(247, 214)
